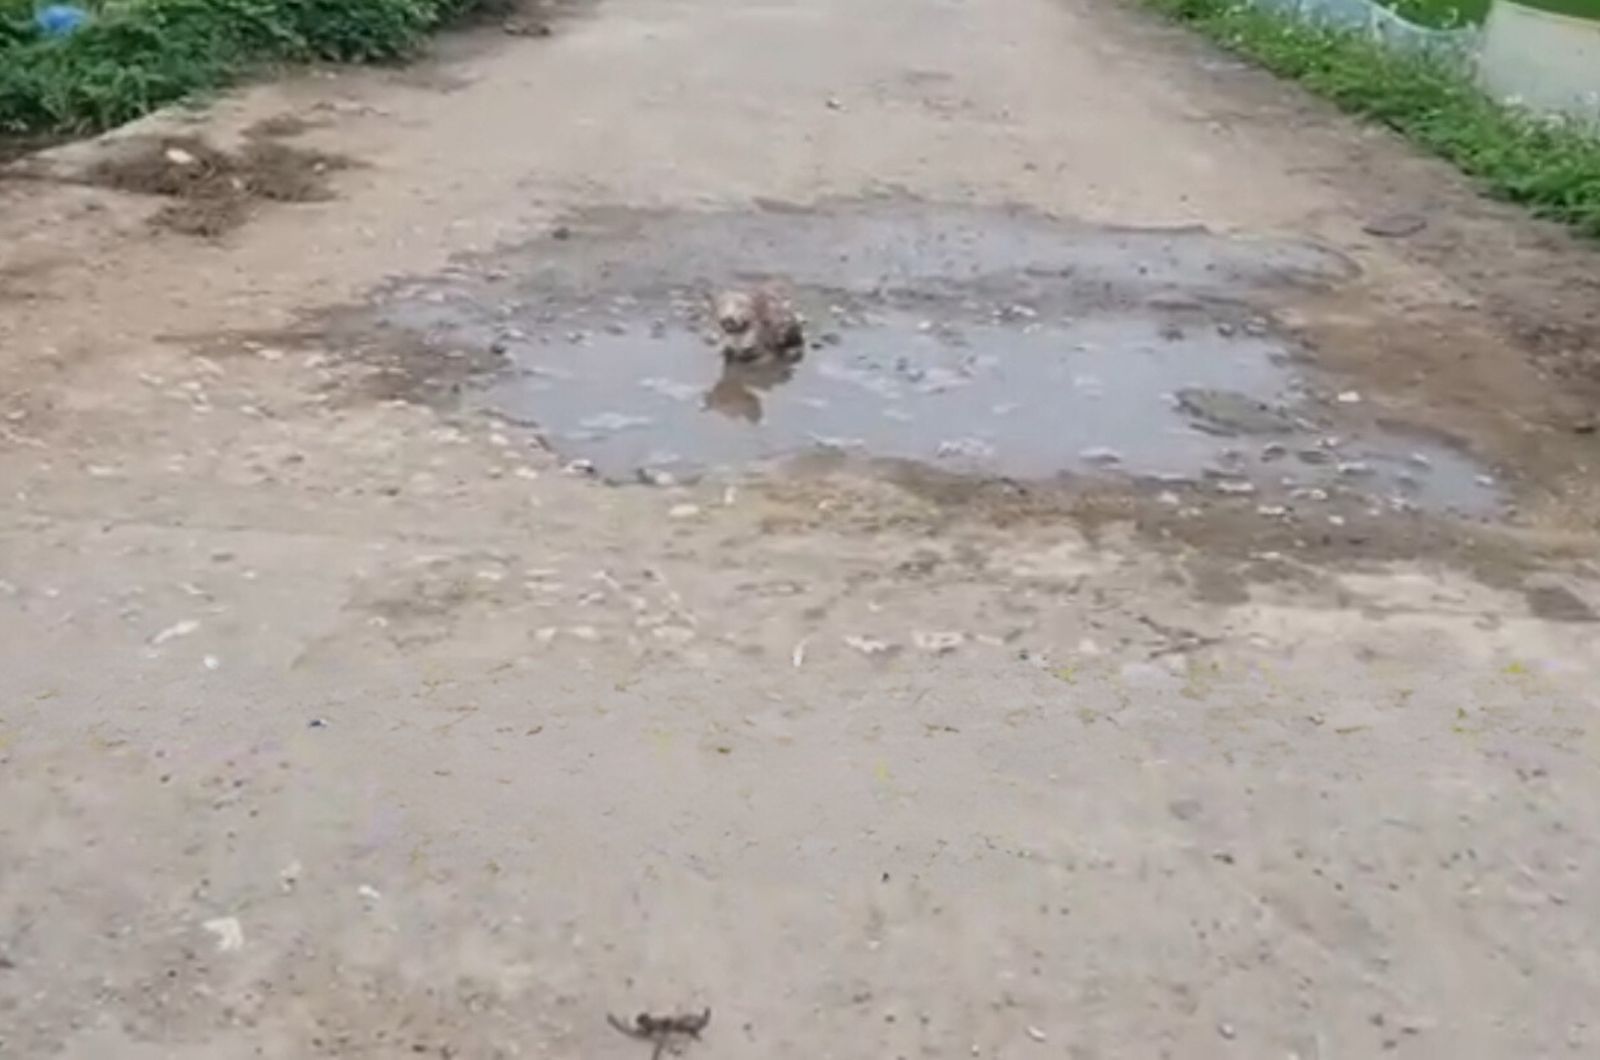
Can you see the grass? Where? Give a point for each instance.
(1578, 8)
(1448, 14)
(1440, 14)
(1551, 168)
(140, 54)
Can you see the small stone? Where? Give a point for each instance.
(938, 643)
(561, 232)
(1227, 1030)
(1101, 455)
(174, 631)
(521, 27)
(650, 476)
(1395, 225)
(229, 933)
(1037, 1035)
(1349, 397)
(179, 157)
(683, 511)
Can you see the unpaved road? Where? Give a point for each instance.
(344, 714)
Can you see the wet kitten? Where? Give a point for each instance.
(759, 326)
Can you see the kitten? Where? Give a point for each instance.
(759, 326)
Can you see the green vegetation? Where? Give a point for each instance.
(1447, 14)
(1551, 168)
(139, 54)
(1578, 8)
(1440, 14)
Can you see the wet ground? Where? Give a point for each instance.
(996, 344)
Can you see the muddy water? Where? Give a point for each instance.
(984, 343)
(1109, 395)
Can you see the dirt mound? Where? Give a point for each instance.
(214, 191)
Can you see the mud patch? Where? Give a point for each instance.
(13, 147)
(282, 126)
(989, 343)
(1225, 543)
(212, 191)
(1557, 603)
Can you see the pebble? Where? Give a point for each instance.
(1037, 1035)
(1395, 225)
(683, 511)
(652, 477)
(229, 933)
(174, 631)
(938, 643)
(1100, 455)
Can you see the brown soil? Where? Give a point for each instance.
(13, 147)
(281, 126)
(1231, 533)
(214, 192)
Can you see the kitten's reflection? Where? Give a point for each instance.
(737, 394)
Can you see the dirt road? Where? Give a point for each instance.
(1155, 619)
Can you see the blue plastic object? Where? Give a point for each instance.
(60, 20)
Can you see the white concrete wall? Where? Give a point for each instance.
(1546, 62)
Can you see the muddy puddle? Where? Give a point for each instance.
(994, 344)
